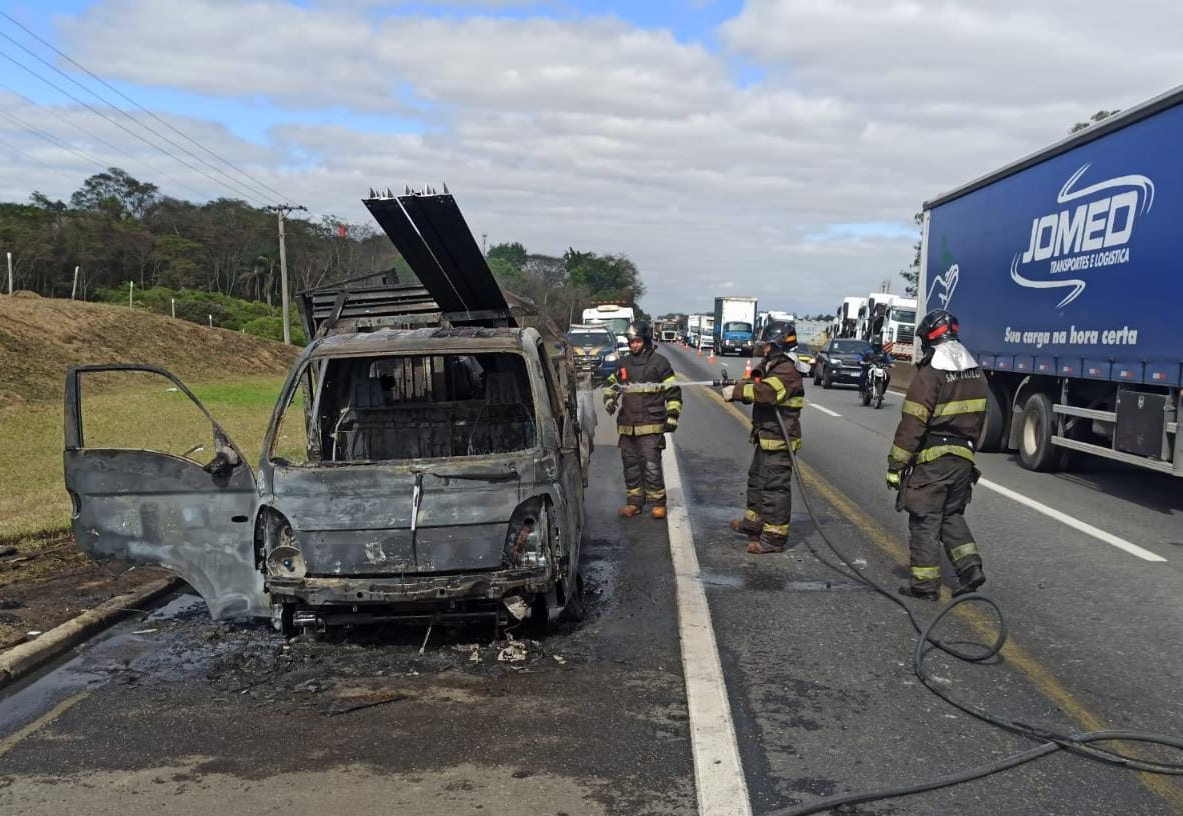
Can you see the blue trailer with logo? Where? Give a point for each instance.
(1065, 270)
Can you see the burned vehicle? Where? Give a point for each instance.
(425, 460)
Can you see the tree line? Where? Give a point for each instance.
(117, 230)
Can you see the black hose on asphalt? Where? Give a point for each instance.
(926, 643)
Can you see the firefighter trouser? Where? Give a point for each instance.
(935, 497)
(643, 477)
(770, 496)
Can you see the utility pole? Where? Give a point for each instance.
(484, 236)
(281, 211)
(9, 273)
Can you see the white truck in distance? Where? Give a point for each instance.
(615, 317)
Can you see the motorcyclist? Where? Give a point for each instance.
(875, 355)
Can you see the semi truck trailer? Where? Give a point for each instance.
(1065, 271)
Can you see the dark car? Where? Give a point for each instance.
(838, 362)
(595, 351)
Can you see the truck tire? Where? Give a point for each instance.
(993, 432)
(1036, 451)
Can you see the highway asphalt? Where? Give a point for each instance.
(175, 711)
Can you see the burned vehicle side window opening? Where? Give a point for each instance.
(399, 407)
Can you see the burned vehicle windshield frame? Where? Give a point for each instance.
(413, 405)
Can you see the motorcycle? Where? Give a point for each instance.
(875, 385)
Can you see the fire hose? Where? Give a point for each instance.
(1050, 740)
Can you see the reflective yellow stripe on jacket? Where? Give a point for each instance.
(970, 406)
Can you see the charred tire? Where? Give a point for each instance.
(575, 611)
(1036, 451)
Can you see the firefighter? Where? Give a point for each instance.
(932, 458)
(775, 386)
(650, 403)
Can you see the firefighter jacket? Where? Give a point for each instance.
(775, 387)
(650, 399)
(944, 409)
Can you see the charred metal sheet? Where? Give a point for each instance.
(139, 507)
(389, 214)
(447, 235)
(336, 309)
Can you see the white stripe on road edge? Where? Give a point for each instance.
(718, 773)
(823, 409)
(1088, 529)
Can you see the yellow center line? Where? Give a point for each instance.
(983, 624)
(14, 739)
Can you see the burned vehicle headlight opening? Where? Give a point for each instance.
(530, 537)
(275, 546)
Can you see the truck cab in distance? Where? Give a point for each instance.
(734, 326)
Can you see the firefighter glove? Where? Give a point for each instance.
(729, 392)
(610, 405)
(893, 479)
(671, 424)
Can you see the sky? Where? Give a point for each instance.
(767, 148)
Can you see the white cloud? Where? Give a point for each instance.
(596, 134)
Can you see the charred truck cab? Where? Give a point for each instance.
(423, 461)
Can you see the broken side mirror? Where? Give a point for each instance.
(223, 463)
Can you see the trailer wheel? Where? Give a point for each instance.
(1036, 451)
(994, 428)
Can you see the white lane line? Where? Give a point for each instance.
(718, 772)
(1076, 524)
(824, 409)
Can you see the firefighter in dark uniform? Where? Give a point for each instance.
(650, 403)
(932, 458)
(774, 387)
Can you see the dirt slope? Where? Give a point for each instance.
(40, 338)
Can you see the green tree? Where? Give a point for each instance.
(1099, 116)
(912, 274)
(115, 192)
(513, 254)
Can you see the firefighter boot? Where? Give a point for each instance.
(630, 510)
(741, 526)
(970, 581)
(920, 594)
(766, 545)
(657, 511)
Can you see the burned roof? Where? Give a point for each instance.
(434, 340)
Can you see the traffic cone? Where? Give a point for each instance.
(711, 359)
(747, 369)
(700, 351)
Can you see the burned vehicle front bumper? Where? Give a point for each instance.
(387, 590)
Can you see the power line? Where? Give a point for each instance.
(120, 125)
(32, 158)
(53, 140)
(233, 183)
(100, 139)
(124, 96)
(232, 186)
